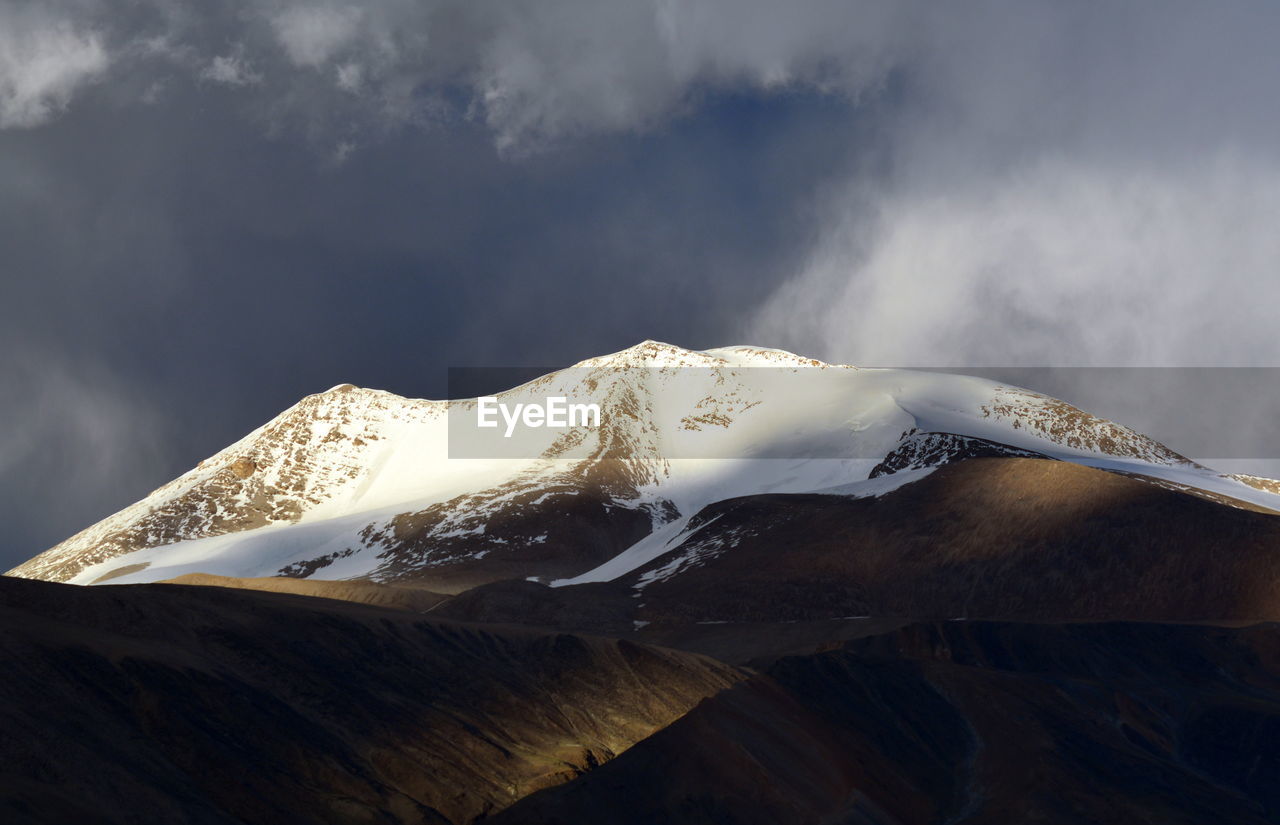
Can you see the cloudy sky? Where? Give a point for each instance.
(208, 210)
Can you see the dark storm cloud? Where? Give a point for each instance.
(209, 209)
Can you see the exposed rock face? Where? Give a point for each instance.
(966, 722)
(307, 456)
(161, 703)
(1271, 485)
(1063, 424)
(919, 450)
(554, 530)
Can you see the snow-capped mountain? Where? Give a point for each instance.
(358, 483)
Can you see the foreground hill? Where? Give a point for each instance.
(168, 703)
(163, 703)
(355, 483)
(965, 723)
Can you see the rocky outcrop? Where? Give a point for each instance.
(918, 450)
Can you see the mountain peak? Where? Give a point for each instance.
(650, 353)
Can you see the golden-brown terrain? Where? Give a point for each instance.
(178, 704)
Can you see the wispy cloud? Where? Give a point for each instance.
(44, 61)
(231, 70)
(1053, 261)
(311, 35)
(535, 74)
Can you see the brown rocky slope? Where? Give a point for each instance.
(364, 592)
(163, 703)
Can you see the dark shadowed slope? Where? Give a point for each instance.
(1005, 538)
(993, 538)
(163, 703)
(966, 723)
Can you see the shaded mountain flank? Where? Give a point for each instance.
(993, 538)
(164, 703)
(961, 723)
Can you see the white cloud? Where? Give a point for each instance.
(1056, 185)
(312, 34)
(43, 63)
(1057, 262)
(342, 151)
(350, 77)
(231, 70)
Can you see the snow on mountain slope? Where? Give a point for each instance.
(361, 483)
